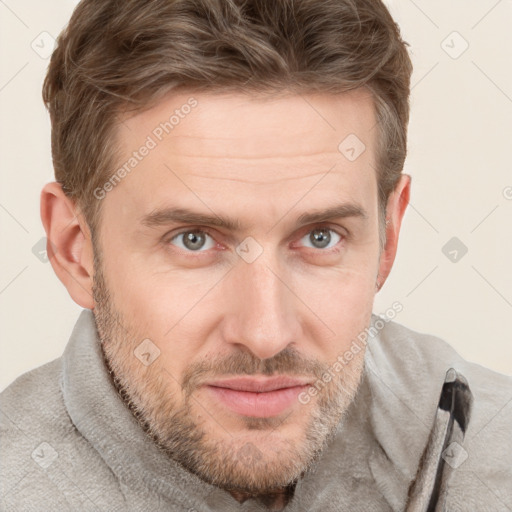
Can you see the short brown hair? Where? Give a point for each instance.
(120, 56)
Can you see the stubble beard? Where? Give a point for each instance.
(257, 463)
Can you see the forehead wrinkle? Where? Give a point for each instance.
(253, 182)
(291, 170)
(257, 155)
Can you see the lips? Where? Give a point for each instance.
(257, 397)
(259, 385)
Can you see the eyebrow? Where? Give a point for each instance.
(167, 216)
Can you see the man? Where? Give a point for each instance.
(228, 201)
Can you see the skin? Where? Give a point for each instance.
(262, 162)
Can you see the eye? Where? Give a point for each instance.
(193, 240)
(321, 238)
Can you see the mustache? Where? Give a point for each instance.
(289, 362)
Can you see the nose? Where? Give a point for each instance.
(263, 315)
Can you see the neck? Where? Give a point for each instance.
(275, 501)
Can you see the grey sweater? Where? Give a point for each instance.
(68, 442)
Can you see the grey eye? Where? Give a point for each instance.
(320, 238)
(193, 240)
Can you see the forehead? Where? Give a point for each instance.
(261, 126)
(211, 148)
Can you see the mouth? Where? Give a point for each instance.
(258, 397)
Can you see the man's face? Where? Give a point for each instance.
(224, 310)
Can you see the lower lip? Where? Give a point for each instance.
(257, 405)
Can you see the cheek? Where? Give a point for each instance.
(342, 302)
(347, 286)
(144, 295)
(173, 309)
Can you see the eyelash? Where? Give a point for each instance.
(200, 253)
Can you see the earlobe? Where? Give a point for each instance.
(69, 244)
(397, 204)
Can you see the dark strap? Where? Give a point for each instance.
(444, 451)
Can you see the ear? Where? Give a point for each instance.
(69, 245)
(397, 204)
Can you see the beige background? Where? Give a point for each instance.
(460, 139)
